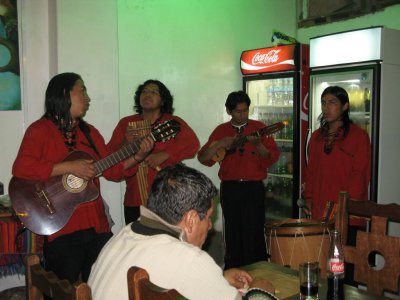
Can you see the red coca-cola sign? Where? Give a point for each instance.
(263, 60)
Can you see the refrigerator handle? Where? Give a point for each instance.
(308, 137)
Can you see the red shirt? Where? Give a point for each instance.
(346, 168)
(248, 165)
(41, 148)
(183, 146)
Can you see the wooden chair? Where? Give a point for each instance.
(141, 288)
(40, 282)
(368, 244)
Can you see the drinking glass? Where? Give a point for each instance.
(309, 278)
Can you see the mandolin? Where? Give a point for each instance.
(45, 207)
(242, 139)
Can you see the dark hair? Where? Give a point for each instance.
(235, 98)
(166, 98)
(58, 100)
(342, 95)
(178, 189)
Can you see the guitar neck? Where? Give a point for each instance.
(241, 140)
(118, 156)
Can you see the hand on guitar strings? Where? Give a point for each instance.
(82, 168)
(146, 146)
(255, 140)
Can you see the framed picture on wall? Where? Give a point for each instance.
(10, 84)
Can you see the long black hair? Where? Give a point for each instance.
(58, 100)
(166, 98)
(342, 95)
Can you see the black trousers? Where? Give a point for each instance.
(244, 218)
(131, 213)
(71, 256)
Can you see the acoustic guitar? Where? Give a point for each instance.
(242, 139)
(45, 207)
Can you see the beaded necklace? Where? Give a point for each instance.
(70, 136)
(330, 139)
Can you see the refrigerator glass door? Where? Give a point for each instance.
(272, 101)
(358, 84)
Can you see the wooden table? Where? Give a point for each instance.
(286, 282)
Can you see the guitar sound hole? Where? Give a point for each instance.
(74, 184)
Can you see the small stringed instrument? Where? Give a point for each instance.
(242, 139)
(45, 207)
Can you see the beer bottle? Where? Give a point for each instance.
(335, 268)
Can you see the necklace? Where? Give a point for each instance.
(239, 128)
(330, 140)
(70, 136)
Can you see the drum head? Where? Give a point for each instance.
(293, 227)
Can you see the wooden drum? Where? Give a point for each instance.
(293, 241)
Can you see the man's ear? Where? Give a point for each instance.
(228, 112)
(189, 220)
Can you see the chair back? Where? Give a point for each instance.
(141, 288)
(369, 244)
(40, 282)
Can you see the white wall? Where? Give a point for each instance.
(37, 61)
(88, 45)
(34, 45)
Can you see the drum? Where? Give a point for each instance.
(293, 241)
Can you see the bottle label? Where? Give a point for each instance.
(336, 266)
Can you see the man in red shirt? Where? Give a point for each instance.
(339, 160)
(242, 172)
(339, 156)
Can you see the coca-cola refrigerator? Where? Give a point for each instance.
(365, 62)
(276, 80)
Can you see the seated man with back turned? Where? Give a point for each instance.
(166, 241)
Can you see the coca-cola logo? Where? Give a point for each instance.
(337, 267)
(262, 60)
(266, 58)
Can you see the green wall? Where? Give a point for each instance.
(194, 47)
